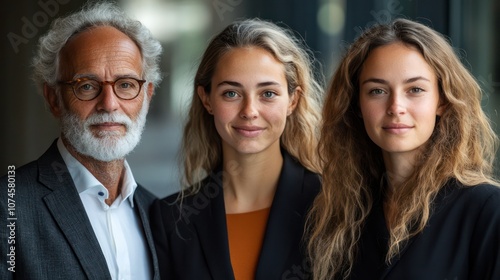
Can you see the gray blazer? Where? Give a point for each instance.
(53, 235)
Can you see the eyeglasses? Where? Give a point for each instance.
(87, 89)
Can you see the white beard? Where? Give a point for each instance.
(107, 145)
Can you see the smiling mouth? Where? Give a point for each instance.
(249, 131)
(397, 129)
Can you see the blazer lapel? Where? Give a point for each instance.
(141, 202)
(285, 219)
(68, 211)
(396, 259)
(385, 233)
(210, 224)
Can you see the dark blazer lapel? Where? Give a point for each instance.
(68, 211)
(210, 224)
(436, 203)
(142, 202)
(396, 259)
(286, 217)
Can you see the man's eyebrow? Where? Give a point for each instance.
(85, 75)
(95, 77)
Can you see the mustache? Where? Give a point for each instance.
(115, 117)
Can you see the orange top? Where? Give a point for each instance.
(246, 234)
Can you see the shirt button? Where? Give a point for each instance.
(101, 193)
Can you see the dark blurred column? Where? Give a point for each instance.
(299, 15)
(27, 127)
(495, 52)
(361, 14)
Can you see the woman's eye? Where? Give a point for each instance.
(269, 94)
(377, 91)
(230, 94)
(416, 90)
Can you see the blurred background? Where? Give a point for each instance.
(185, 26)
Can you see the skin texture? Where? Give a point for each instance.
(250, 102)
(399, 101)
(105, 54)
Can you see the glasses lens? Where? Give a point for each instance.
(86, 89)
(127, 88)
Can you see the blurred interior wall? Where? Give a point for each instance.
(27, 127)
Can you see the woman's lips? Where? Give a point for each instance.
(397, 128)
(249, 131)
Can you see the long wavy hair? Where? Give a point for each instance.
(202, 148)
(462, 147)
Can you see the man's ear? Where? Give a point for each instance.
(294, 100)
(150, 90)
(50, 95)
(205, 99)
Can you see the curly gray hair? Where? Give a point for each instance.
(46, 61)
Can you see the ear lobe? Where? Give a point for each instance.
(205, 100)
(294, 100)
(50, 96)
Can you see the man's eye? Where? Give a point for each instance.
(127, 84)
(87, 87)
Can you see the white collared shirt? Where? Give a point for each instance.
(117, 227)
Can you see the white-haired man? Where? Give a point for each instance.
(79, 214)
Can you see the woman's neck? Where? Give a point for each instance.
(398, 167)
(250, 180)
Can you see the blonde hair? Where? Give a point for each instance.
(462, 147)
(202, 151)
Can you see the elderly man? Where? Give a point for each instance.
(77, 212)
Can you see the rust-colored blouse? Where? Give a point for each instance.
(246, 234)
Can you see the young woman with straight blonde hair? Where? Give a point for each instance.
(249, 160)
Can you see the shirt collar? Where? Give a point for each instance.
(86, 182)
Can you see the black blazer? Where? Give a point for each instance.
(194, 244)
(53, 235)
(460, 241)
